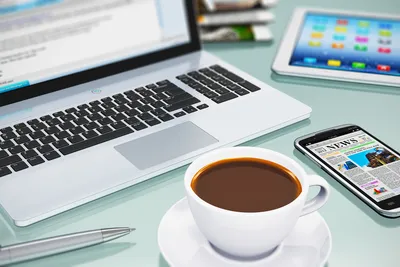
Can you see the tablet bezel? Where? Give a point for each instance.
(289, 42)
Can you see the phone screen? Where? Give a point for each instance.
(367, 163)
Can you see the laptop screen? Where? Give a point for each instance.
(42, 40)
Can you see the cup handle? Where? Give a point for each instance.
(319, 200)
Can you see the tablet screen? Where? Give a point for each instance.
(347, 43)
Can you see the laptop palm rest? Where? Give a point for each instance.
(165, 145)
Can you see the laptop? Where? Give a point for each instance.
(100, 95)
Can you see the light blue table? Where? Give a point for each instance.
(360, 237)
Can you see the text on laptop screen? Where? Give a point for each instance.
(345, 43)
(46, 39)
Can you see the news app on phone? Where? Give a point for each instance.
(368, 164)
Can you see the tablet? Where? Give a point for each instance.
(340, 45)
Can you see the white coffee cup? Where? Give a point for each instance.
(245, 234)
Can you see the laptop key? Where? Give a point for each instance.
(233, 77)
(21, 139)
(117, 125)
(203, 90)
(35, 161)
(81, 113)
(38, 126)
(145, 108)
(121, 109)
(145, 116)
(31, 122)
(97, 109)
(222, 91)
(6, 144)
(106, 100)
(94, 117)
(71, 110)
(165, 117)
(249, 86)
(6, 130)
(211, 94)
(75, 139)
(94, 103)
(20, 125)
(3, 154)
(37, 135)
(95, 141)
(132, 120)
(8, 135)
(182, 104)
(29, 154)
(132, 113)
(105, 121)
(83, 106)
(45, 149)
(224, 98)
(135, 104)
(60, 143)
(202, 106)
(90, 134)
(158, 104)
(19, 166)
(76, 130)
(214, 86)
(47, 140)
(151, 86)
(52, 130)
(9, 160)
(46, 118)
(219, 69)
(189, 109)
(139, 126)
(158, 112)
(118, 117)
(91, 126)
(178, 98)
(104, 129)
(234, 87)
(32, 144)
(242, 92)
(67, 117)
(53, 122)
(51, 155)
(81, 121)
(16, 150)
(58, 114)
(5, 171)
(24, 131)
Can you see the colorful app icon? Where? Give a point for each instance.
(314, 43)
(339, 37)
(385, 41)
(310, 60)
(321, 20)
(358, 65)
(334, 63)
(319, 28)
(337, 46)
(361, 39)
(385, 33)
(362, 48)
(386, 26)
(383, 68)
(317, 35)
(342, 22)
(384, 50)
(362, 31)
(363, 24)
(340, 29)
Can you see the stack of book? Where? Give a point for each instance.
(235, 20)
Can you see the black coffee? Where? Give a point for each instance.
(246, 185)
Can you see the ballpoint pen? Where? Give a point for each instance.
(58, 244)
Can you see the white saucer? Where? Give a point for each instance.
(183, 245)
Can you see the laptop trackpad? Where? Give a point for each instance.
(159, 147)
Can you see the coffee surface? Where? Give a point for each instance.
(246, 185)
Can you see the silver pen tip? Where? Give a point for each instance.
(132, 229)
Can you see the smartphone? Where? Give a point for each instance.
(361, 162)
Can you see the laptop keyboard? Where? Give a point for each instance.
(64, 132)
